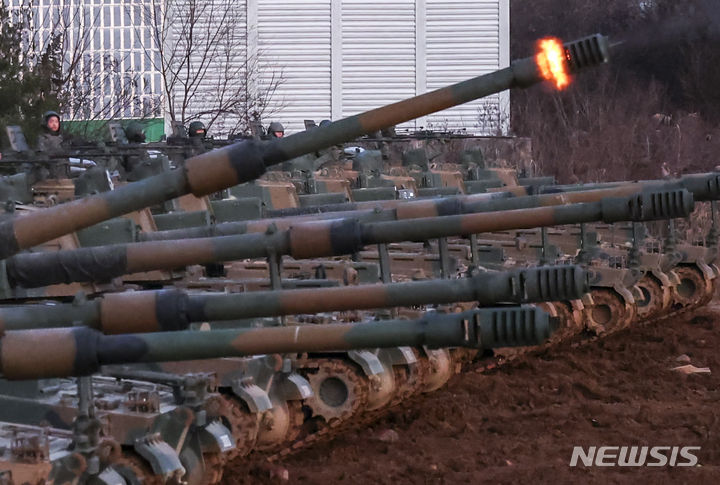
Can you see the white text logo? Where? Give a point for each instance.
(635, 456)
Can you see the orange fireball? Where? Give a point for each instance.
(552, 62)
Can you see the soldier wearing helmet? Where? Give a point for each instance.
(50, 140)
(197, 135)
(134, 132)
(197, 130)
(276, 130)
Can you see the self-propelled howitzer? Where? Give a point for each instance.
(82, 351)
(247, 160)
(164, 310)
(703, 186)
(324, 238)
(400, 209)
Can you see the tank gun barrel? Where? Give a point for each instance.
(82, 351)
(704, 187)
(641, 207)
(324, 238)
(246, 161)
(168, 310)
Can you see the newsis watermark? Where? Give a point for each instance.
(634, 456)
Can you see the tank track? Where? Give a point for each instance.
(575, 337)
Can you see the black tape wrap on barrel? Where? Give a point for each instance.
(86, 351)
(33, 270)
(345, 236)
(8, 243)
(171, 310)
(247, 160)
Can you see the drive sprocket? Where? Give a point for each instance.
(340, 390)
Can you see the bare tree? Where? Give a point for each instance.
(93, 82)
(95, 86)
(199, 47)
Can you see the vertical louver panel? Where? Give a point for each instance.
(378, 53)
(107, 38)
(294, 40)
(463, 40)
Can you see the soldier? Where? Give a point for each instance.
(276, 130)
(134, 132)
(198, 136)
(50, 140)
(197, 130)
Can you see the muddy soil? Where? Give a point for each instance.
(518, 423)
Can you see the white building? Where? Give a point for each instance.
(336, 57)
(340, 58)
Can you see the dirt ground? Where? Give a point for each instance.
(518, 423)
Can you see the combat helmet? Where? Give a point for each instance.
(197, 129)
(134, 132)
(46, 116)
